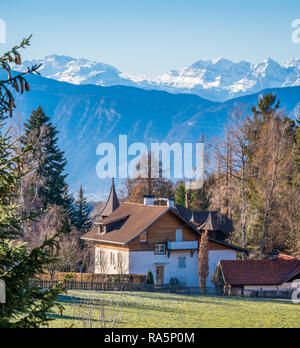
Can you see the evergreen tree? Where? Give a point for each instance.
(82, 219)
(69, 206)
(50, 160)
(26, 306)
(150, 278)
(199, 200)
(180, 195)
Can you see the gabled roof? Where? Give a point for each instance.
(138, 219)
(217, 221)
(259, 272)
(108, 221)
(112, 203)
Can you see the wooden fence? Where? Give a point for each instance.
(94, 278)
(123, 286)
(143, 287)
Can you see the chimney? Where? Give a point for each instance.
(171, 203)
(148, 200)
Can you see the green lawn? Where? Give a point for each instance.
(157, 310)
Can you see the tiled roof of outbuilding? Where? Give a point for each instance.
(259, 272)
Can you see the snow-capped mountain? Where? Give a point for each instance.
(78, 71)
(217, 80)
(88, 115)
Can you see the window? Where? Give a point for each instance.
(179, 235)
(144, 237)
(112, 259)
(101, 229)
(182, 262)
(160, 249)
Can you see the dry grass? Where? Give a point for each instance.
(157, 310)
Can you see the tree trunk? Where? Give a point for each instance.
(243, 217)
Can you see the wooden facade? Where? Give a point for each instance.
(162, 232)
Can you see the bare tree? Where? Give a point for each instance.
(233, 169)
(94, 313)
(277, 144)
(101, 261)
(122, 264)
(146, 183)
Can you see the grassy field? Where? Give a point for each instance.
(157, 310)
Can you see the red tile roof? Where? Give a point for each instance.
(259, 272)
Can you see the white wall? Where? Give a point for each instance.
(143, 262)
(282, 287)
(215, 256)
(103, 256)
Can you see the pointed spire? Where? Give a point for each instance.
(112, 203)
(210, 224)
(193, 218)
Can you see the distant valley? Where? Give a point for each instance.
(88, 115)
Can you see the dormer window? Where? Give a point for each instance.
(101, 229)
(144, 237)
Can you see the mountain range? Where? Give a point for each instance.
(217, 80)
(87, 115)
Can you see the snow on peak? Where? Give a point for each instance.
(217, 79)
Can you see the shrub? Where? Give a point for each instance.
(150, 278)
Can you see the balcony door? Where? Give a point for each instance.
(160, 275)
(179, 235)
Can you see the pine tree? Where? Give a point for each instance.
(180, 195)
(50, 160)
(204, 261)
(82, 213)
(26, 306)
(199, 200)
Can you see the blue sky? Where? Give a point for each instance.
(151, 37)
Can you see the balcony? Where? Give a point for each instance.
(183, 245)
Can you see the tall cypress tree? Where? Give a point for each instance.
(51, 162)
(82, 212)
(203, 261)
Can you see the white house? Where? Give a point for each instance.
(140, 238)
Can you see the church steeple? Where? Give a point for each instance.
(112, 203)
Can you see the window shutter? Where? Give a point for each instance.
(182, 262)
